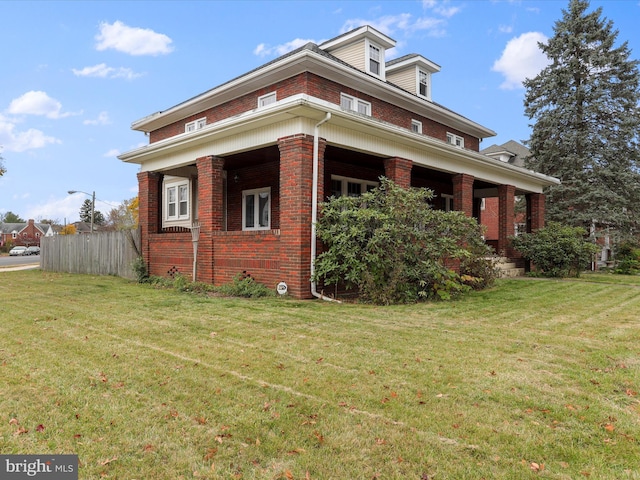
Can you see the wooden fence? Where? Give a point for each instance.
(103, 253)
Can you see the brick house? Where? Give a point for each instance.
(513, 153)
(249, 160)
(26, 234)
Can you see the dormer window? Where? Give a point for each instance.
(423, 83)
(374, 60)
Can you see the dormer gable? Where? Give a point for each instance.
(412, 73)
(363, 48)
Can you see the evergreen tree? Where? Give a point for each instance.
(85, 214)
(10, 217)
(585, 107)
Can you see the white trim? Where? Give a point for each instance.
(448, 202)
(377, 50)
(419, 74)
(416, 126)
(267, 99)
(256, 193)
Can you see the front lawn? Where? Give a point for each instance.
(530, 379)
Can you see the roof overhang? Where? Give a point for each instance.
(308, 60)
(365, 133)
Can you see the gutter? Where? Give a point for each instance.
(314, 211)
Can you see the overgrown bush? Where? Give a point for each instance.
(140, 269)
(556, 250)
(392, 247)
(244, 285)
(627, 257)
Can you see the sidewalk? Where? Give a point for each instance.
(28, 266)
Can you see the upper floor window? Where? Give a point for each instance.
(195, 125)
(351, 187)
(177, 200)
(267, 99)
(256, 209)
(423, 83)
(455, 140)
(416, 126)
(374, 60)
(355, 104)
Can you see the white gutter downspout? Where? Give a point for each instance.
(314, 210)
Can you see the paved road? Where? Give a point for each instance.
(8, 263)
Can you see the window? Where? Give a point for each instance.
(355, 104)
(416, 126)
(177, 200)
(447, 202)
(256, 209)
(352, 187)
(374, 60)
(423, 84)
(267, 99)
(195, 125)
(455, 140)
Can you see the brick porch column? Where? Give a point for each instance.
(535, 211)
(463, 193)
(399, 170)
(149, 207)
(506, 218)
(296, 170)
(210, 212)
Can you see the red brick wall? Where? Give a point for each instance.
(463, 193)
(170, 254)
(324, 89)
(399, 171)
(506, 223)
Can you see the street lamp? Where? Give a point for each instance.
(93, 202)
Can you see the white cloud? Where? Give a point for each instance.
(521, 59)
(38, 103)
(20, 141)
(103, 71)
(264, 50)
(505, 29)
(403, 22)
(132, 40)
(103, 119)
(114, 152)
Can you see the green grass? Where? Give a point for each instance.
(530, 379)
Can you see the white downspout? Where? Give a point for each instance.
(314, 209)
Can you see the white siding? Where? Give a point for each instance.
(353, 54)
(405, 79)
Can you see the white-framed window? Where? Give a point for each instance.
(195, 125)
(455, 140)
(267, 99)
(354, 104)
(424, 79)
(416, 126)
(374, 59)
(14, 235)
(352, 187)
(447, 202)
(177, 200)
(256, 209)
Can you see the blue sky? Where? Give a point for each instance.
(74, 75)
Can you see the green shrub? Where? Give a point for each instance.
(392, 247)
(628, 258)
(556, 250)
(244, 285)
(140, 269)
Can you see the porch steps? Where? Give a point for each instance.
(507, 268)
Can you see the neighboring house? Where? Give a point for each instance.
(26, 234)
(512, 153)
(249, 160)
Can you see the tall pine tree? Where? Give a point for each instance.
(585, 108)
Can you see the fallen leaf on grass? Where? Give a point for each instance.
(108, 461)
(21, 431)
(536, 467)
(40, 428)
(609, 428)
